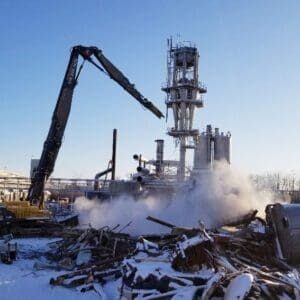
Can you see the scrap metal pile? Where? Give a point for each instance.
(236, 262)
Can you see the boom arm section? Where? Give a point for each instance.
(120, 78)
(62, 110)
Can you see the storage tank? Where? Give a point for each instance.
(227, 142)
(222, 146)
(202, 154)
(211, 146)
(285, 221)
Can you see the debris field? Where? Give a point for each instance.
(235, 261)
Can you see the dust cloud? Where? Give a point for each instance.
(212, 198)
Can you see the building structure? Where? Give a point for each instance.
(184, 96)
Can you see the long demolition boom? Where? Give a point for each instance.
(62, 110)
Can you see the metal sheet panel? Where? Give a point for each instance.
(286, 222)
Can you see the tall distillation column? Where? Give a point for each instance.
(184, 94)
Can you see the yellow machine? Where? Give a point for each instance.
(23, 210)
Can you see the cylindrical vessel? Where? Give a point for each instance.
(202, 154)
(222, 146)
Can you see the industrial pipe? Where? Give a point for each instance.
(140, 159)
(113, 159)
(159, 156)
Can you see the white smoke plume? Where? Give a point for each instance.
(213, 198)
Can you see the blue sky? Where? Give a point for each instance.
(250, 63)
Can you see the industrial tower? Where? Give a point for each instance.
(184, 95)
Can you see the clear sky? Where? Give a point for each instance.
(250, 62)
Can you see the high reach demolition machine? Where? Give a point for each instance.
(35, 198)
(62, 110)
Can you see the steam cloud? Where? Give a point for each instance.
(213, 198)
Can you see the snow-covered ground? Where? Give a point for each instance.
(21, 280)
(24, 280)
